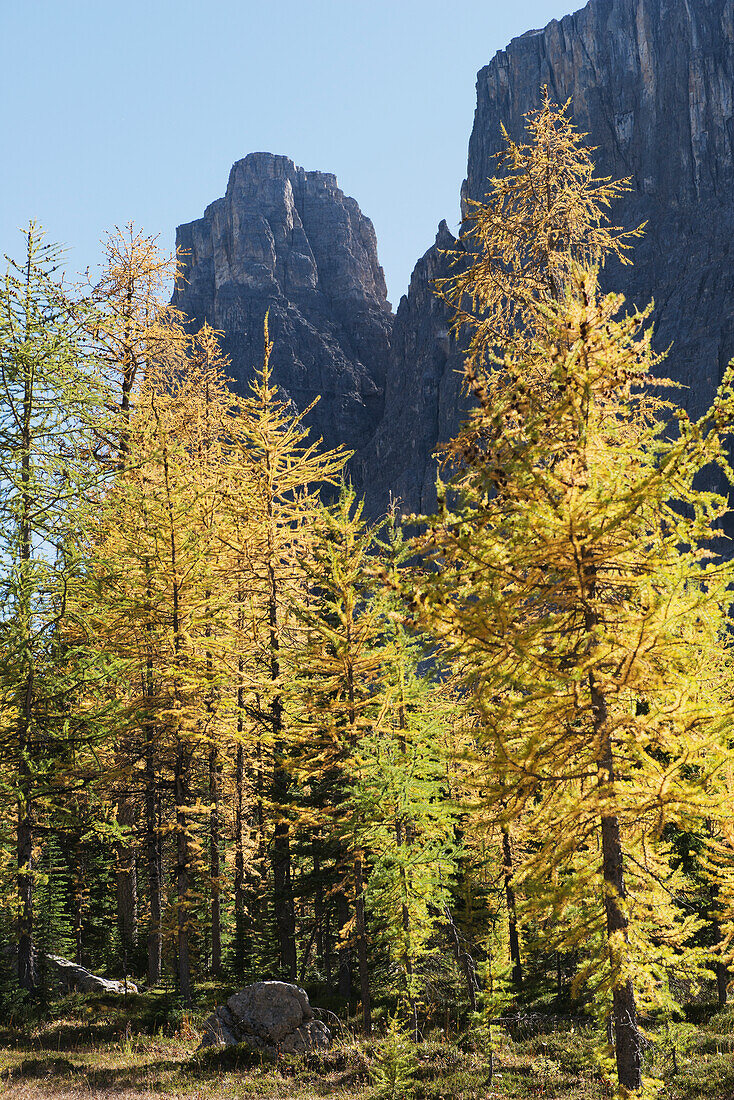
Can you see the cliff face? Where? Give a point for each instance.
(652, 83)
(423, 400)
(291, 242)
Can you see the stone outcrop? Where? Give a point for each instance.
(652, 83)
(291, 242)
(423, 399)
(270, 1017)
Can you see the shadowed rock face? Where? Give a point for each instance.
(423, 399)
(652, 83)
(291, 242)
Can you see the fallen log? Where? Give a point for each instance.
(75, 978)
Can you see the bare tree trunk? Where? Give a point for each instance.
(127, 886)
(511, 908)
(463, 958)
(215, 785)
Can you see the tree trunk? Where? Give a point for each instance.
(214, 867)
(511, 908)
(318, 904)
(722, 982)
(78, 904)
(405, 924)
(283, 896)
(282, 886)
(362, 961)
(239, 859)
(155, 938)
(26, 957)
(182, 875)
(626, 1032)
(463, 958)
(24, 835)
(127, 886)
(345, 961)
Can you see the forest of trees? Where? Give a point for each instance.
(428, 763)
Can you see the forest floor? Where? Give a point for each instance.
(112, 1048)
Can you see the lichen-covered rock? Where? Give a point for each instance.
(292, 243)
(272, 1017)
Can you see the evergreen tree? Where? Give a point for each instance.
(580, 599)
(287, 474)
(337, 695)
(50, 412)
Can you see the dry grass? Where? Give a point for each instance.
(107, 1048)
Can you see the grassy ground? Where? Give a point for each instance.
(119, 1049)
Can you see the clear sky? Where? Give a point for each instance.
(119, 110)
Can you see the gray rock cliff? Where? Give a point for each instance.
(652, 83)
(291, 242)
(423, 399)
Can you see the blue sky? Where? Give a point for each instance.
(118, 110)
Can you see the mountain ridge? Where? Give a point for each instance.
(652, 83)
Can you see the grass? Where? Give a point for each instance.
(115, 1048)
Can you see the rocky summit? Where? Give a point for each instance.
(290, 242)
(652, 84)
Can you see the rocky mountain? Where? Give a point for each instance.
(652, 83)
(291, 242)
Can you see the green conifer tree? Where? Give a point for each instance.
(572, 580)
(51, 411)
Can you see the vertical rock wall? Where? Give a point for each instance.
(652, 83)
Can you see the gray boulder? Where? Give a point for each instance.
(271, 1017)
